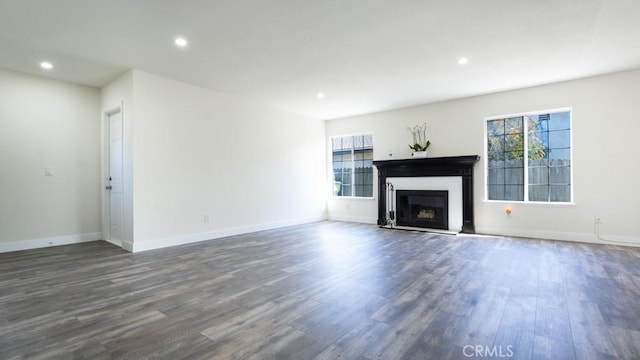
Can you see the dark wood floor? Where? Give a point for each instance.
(324, 291)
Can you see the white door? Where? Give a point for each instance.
(114, 183)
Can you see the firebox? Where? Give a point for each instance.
(423, 208)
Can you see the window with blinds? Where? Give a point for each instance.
(352, 158)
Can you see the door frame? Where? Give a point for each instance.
(104, 178)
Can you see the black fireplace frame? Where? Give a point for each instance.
(424, 167)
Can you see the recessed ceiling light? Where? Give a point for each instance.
(46, 65)
(181, 42)
(463, 60)
(320, 95)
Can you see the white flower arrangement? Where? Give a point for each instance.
(419, 133)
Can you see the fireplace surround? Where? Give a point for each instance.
(427, 167)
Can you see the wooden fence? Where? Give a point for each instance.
(549, 180)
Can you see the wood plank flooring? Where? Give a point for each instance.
(327, 290)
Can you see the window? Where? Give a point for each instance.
(528, 157)
(352, 157)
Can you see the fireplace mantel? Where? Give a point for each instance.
(439, 166)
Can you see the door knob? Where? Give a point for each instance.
(108, 187)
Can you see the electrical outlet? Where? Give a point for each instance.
(48, 171)
(206, 218)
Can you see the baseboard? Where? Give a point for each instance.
(562, 236)
(126, 245)
(117, 243)
(191, 238)
(49, 242)
(354, 219)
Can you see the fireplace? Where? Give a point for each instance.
(423, 208)
(440, 167)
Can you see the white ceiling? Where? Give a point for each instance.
(365, 55)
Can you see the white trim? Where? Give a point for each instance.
(536, 112)
(114, 110)
(532, 203)
(525, 157)
(49, 242)
(350, 135)
(105, 172)
(126, 245)
(217, 234)
(354, 219)
(354, 197)
(114, 242)
(562, 236)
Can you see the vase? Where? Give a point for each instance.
(419, 154)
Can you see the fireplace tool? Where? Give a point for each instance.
(390, 220)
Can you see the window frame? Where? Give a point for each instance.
(353, 160)
(526, 158)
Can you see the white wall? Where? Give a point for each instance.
(48, 123)
(200, 152)
(606, 124)
(118, 94)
